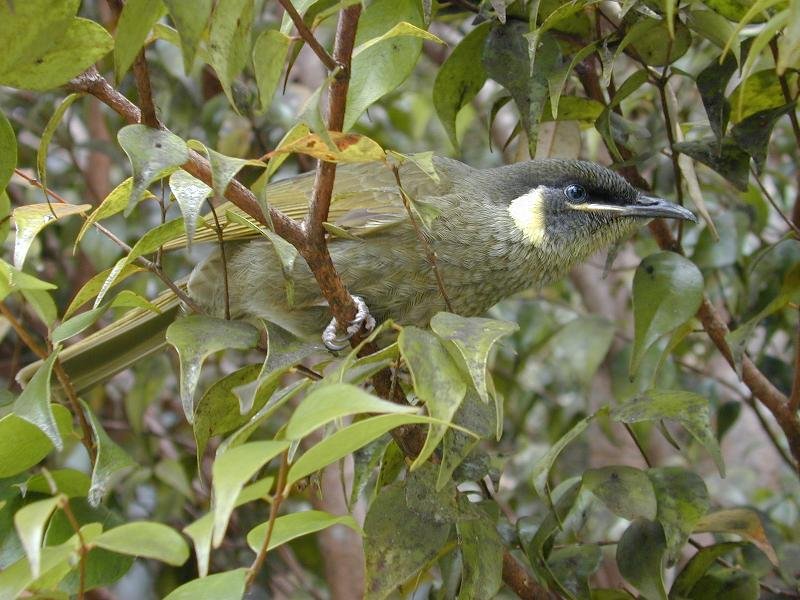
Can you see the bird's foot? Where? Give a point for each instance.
(331, 338)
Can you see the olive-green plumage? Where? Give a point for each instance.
(494, 232)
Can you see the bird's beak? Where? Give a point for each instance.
(652, 207)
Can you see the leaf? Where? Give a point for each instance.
(473, 415)
(423, 497)
(732, 583)
(667, 291)
(572, 566)
(697, 567)
(269, 56)
(153, 153)
(578, 349)
(82, 43)
(752, 133)
(92, 287)
(401, 29)
(682, 501)
(69, 482)
(397, 542)
(229, 41)
(789, 41)
(482, 557)
(382, 67)
(33, 404)
(30, 521)
(345, 441)
(460, 78)
(115, 202)
(329, 402)
(626, 491)
(223, 168)
(687, 408)
(640, 557)
(147, 540)
(43, 305)
(437, 381)
(30, 219)
(23, 444)
(536, 537)
(711, 83)
(730, 161)
(541, 470)
(740, 521)
(112, 461)
(760, 91)
(8, 152)
(190, 20)
(190, 193)
(228, 585)
(135, 22)
(195, 337)
(350, 148)
(295, 525)
(231, 471)
(651, 40)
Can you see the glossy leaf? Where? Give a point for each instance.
(640, 557)
(687, 408)
(740, 521)
(682, 501)
(541, 470)
(760, 91)
(397, 542)
(33, 404)
(295, 525)
(460, 78)
(269, 55)
(135, 22)
(228, 585)
(30, 219)
(229, 41)
(195, 337)
(667, 291)
(231, 471)
(146, 539)
(626, 491)
(697, 567)
(69, 482)
(111, 463)
(437, 381)
(190, 20)
(8, 152)
(153, 153)
(30, 521)
(190, 193)
(92, 287)
(24, 444)
(329, 402)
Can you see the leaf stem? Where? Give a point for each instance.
(277, 499)
(308, 36)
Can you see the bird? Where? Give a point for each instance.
(489, 233)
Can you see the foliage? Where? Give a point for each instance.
(548, 456)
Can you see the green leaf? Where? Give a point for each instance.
(626, 491)
(536, 536)
(687, 408)
(328, 402)
(730, 161)
(269, 56)
(228, 585)
(731, 583)
(397, 542)
(153, 154)
(345, 441)
(43, 305)
(437, 381)
(714, 27)
(640, 557)
(77, 324)
(147, 540)
(460, 78)
(697, 566)
(231, 471)
(482, 557)
(682, 501)
(760, 91)
(135, 22)
(401, 29)
(82, 43)
(711, 83)
(295, 525)
(740, 521)
(473, 415)
(5, 213)
(17, 577)
(190, 20)
(30, 219)
(541, 470)
(423, 497)
(752, 133)
(23, 445)
(30, 521)
(8, 152)
(651, 40)
(229, 41)
(115, 202)
(382, 67)
(578, 349)
(223, 168)
(111, 463)
(69, 482)
(190, 193)
(195, 337)
(572, 566)
(667, 291)
(92, 287)
(33, 404)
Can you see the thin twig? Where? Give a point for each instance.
(636, 441)
(770, 434)
(308, 35)
(774, 204)
(277, 499)
(82, 550)
(224, 260)
(794, 396)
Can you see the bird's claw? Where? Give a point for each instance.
(331, 338)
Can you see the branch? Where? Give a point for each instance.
(308, 36)
(142, 76)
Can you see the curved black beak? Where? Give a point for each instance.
(652, 207)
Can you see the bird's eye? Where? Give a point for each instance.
(575, 193)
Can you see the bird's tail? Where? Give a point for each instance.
(101, 355)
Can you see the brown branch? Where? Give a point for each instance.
(308, 36)
(277, 500)
(794, 397)
(520, 581)
(142, 76)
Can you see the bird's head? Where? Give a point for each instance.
(578, 207)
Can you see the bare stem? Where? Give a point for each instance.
(277, 499)
(308, 35)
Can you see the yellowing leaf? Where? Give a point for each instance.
(350, 148)
(32, 218)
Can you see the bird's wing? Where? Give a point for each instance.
(365, 199)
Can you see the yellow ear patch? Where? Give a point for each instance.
(528, 215)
